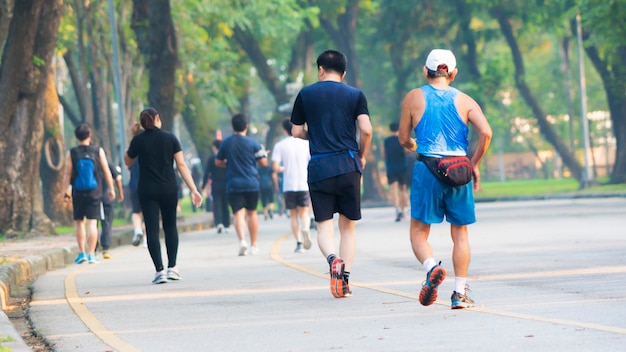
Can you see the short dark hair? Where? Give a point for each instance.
(82, 132)
(332, 60)
(439, 73)
(287, 126)
(394, 126)
(239, 122)
(146, 117)
(217, 143)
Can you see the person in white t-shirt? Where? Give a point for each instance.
(291, 156)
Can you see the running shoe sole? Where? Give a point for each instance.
(428, 294)
(461, 302)
(461, 305)
(336, 278)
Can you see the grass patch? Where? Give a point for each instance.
(3, 340)
(521, 188)
(66, 230)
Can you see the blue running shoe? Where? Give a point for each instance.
(80, 258)
(91, 258)
(434, 278)
(461, 301)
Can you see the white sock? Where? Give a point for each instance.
(459, 284)
(138, 230)
(429, 264)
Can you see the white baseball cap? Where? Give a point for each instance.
(440, 57)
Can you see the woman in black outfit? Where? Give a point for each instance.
(157, 151)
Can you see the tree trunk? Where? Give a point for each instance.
(201, 125)
(613, 75)
(544, 125)
(6, 14)
(152, 23)
(32, 34)
(53, 161)
(252, 48)
(344, 38)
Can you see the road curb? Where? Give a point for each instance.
(16, 277)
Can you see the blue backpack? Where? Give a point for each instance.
(85, 164)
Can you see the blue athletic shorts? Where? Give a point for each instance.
(431, 199)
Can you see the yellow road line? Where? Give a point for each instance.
(90, 320)
(275, 255)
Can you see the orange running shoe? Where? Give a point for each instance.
(434, 278)
(336, 278)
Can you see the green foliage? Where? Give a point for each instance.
(605, 20)
(38, 62)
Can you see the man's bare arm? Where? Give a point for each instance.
(365, 136)
(412, 109)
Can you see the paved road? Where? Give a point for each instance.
(546, 276)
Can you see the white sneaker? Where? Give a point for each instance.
(254, 250)
(220, 228)
(243, 248)
(159, 278)
(307, 239)
(137, 237)
(172, 274)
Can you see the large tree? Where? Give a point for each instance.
(26, 59)
(156, 37)
(605, 44)
(505, 18)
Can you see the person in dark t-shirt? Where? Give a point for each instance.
(332, 111)
(395, 165)
(157, 151)
(239, 154)
(214, 186)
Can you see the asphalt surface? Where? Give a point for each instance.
(546, 276)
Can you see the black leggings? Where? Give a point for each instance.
(151, 206)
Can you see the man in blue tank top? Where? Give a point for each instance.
(439, 116)
(333, 111)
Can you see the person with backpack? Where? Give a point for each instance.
(86, 166)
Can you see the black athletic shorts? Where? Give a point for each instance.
(340, 194)
(267, 196)
(294, 199)
(134, 201)
(399, 177)
(238, 200)
(87, 207)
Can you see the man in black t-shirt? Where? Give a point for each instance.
(395, 165)
(106, 221)
(333, 111)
